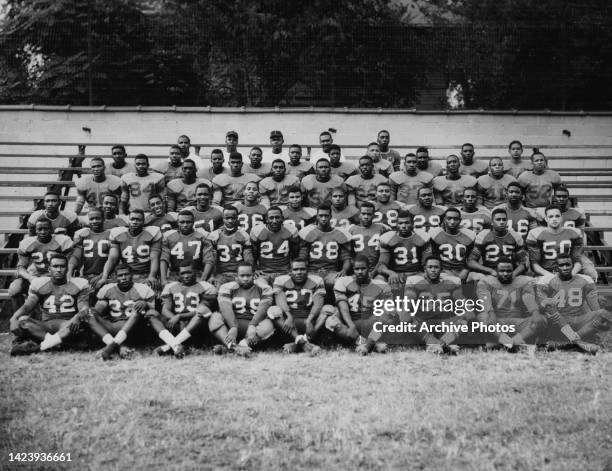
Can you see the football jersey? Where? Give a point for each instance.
(476, 221)
(325, 250)
(207, 221)
(232, 187)
(476, 169)
(573, 217)
(194, 248)
(231, 249)
(344, 170)
(300, 218)
(520, 220)
(300, 298)
(383, 167)
(185, 299)
(433, 167)
(94, 248)
(269, 156)
(276, 191)
(393, 157)
(364, 188)
(512, 300)
(451, 191)
(366, 240)
(491, 247)
(246, 301)
(183, 193)
(386, 213)
(405, 187)
(515, 170)
(250, 216)
(140, 188)
(136, 250)
(424, 218)
(94, 191)
(345, 217)
(300, 170)
(360, 298)
(493, 190)
(169, 171)
(318, 192)
(263, 171)
(448, 288)
(573, 297)
(66, 222)
(544, 245)
(453, 249)
(165, 222)
(121, 303)
(405, 253)
(40, 253)
(117, 221)
(60, 301)
(119, 172)
(539, 188)
(207, 173)
(274, 248)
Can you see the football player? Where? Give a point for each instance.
(382, 166)
(62, 221)
(343, 215)
(470, 165)
(216, 168)
(274, 188)
(181, 191)
(255, 165)
(366, 235)
(207, 217)
(296, 166)
(158, 217)
(539, 183)
(386, 209)
(294, 213)
(473, 217)
(137, 187)
(119, 166)
(250, 212)
(318, 186)
(383, 138)
(425, 214)
(276, 150)
(339, 167)
(229, 188)
(520, 218)
(425, 164)
(171, 168)
(405, 184)
(92, 188)
(110, 205)
(362, 187)
(516, 165)
(449, 189)
(492, 186)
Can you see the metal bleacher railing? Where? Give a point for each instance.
(587, 183)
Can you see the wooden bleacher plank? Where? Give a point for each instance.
(602, 248)
(36, 183)
(41, 170)
(13, 231)
(32, 198)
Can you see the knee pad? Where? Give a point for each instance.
(265, 329)
(215, 322)
(274, 312)
(329, 310)
(16, 287)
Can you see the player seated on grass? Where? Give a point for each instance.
(242, 323)
(185, 245)
(492, 186)
(295, 214)
(539, 183)
(352, 320)
(343, 215)
(121, 306)
(572, 308)
(34, 254)
(139, 247)
(434, 286)
(402, 252)
(474, 217)
(181, 191)
(386, 209)
(250, 211)
(62, 221)
(62, 303)
(137, 187)
(91, 248)
(546, 243)
(273, 189)
(449, 188)
(366, 235)
(274, 245)
(425, 214)
(510, 300)
(362, 187)
(232, 247)
(453, 245)
(296, 166)
(229, 188)
(327, 249)
(520, 218)
(110, 205)
(338, 167)
(92, 188)
(493, 244)
(299, 298)
(186, 306)
(207, 217)
(158, 216)
(406, 183)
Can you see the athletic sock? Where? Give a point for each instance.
(571, 335)
(120, 337)
(182, 336)
(167, 337)
(50, 341)
(108, 339)
(505, 340)
(518, 339)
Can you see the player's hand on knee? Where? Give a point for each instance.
(97, 284)
(173, 321)
(140, 307)
(288, 325)
(231, 336)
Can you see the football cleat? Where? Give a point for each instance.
(243, 349)
(160, 352)
(586, 347)
(290, 347)
(107, 352)
(435, 348)
(220, 349)
(381, 347)
(527, 348)
(362, 349)
(311, 349)
(125, 353)
(179, 352)
(361, 340)
(26, 347)
(451, 349)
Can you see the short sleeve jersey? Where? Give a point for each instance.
(59, 301)
(274, 247)
(383, 167)
(405, 253)
(185, 299)
(140, 188)
(447, 288)
(300, 170)
(246, 301)
(169, 171)
(95, 247)
(194, 248)
(364, 188)
(573, 217)
(451, 191)
(405, 186)
(386, 213)
(250, 216)
(300, 218)
(60, 224)
(136, 250)
(95, 191)
(324, 247)
(539, 188)
(453, 249)
(545, 245)
(512, 300)
(476, 169)
(345, 217)
(165, 222)
(117, 221)
(477, 220)
(229, 248)
(366, 240)
(515, 169)
(121, 303)
(571, 297)
(233, 187)
(119, 172)
(275, 190)
(207, 221)
(344, 170)
(426, 218)
(360, 298)
(491, 247)
(184, 193)
(318, 192)
(520, 220)
(300, 298)
(208, 174)
(40, 253)
(493, 190)
(263, 171)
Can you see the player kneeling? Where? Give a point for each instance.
(299, 299)
(121, 306)
(510, 301)
(186, 307)
(63, 305)
(572, 307)
(243, 305)
(353, 320)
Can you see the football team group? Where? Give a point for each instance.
(278, 248)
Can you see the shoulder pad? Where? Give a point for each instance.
(257, 230)
(307, 232)
(84, 232)
(468, 232)
(80, 283)
(586, 278)
(414, 280)
(39, 282)
(166, 235)
(281, 280)
(70, 215)
(144, 290)
(116, 231)
(342, 283)
(450, 278)
(261, 282)
(386, 237)
(434, 231)
(316, 279)
(105, 289)
(206, 286)
(26, 242)
(535, 233)
(153, 230)
(227, 288)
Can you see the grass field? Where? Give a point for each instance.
(403, 410)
